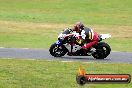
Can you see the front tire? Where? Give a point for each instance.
(57, 50)
(102, 50)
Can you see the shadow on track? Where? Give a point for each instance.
(81, 58)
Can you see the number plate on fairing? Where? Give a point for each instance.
(75, 47)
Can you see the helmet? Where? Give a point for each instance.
(78, 27)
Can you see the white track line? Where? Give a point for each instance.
(2, 47)
(14, 48)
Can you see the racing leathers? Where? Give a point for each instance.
(87, 38)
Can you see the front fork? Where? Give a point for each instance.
(59, 44)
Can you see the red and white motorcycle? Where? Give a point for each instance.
(67, 44)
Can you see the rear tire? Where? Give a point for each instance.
(57, 50)
(102, 50)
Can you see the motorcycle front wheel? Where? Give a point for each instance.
(57, 50)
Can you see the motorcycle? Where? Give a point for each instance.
(67, 44)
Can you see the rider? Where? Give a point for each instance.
(87, 37)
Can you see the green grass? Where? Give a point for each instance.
(113, 12)
(120, 44)
(55, 74)
(26, 41)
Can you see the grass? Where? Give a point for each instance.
(112, 12)
(55, 74)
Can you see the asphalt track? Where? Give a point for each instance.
(25, 53)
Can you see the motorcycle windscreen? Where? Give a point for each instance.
(66, 31)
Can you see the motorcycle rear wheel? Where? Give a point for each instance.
(102, 50)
